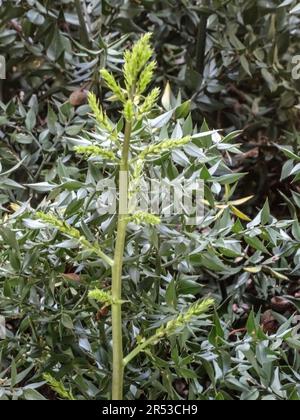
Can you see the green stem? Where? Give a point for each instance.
(118, 368)
(96, 250)
(141, 347)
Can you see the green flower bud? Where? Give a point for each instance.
(100, 117)
(101, 296)
(129, 110)
(142, 217)
(164, 146)
(113, 85)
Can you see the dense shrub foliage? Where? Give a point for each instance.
(246, 252)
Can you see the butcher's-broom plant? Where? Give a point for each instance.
(129, 158)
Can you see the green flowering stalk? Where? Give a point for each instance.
(164, 146)
(143, 217)
(184, 318)
(60, 225)
(95, 151)
(58, 387)
(74, 233)
(194, 311)
(136, 104)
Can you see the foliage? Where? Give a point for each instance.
(242, 82)
(248, 262)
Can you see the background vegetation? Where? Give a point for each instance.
(241, 80)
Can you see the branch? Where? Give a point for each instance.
(201, 41)
(84, 34)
